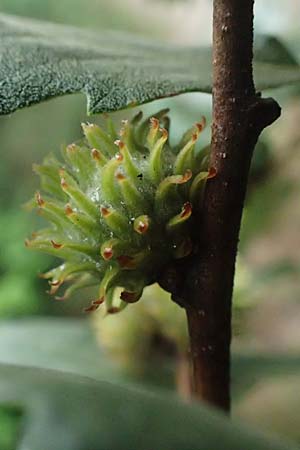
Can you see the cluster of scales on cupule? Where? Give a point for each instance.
(120, 207)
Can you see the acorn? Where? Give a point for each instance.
(121, 207)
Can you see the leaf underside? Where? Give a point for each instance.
(40, 60)
(65, 411)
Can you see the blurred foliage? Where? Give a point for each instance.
(95, 13)
(82, 413)
(23, 137)
(58, 399)
(271, 49)
(10, 420)
(152, 333)
(274, 405)
(18, 295)
(49, 343)
(154, 330)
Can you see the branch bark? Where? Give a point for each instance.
(239, 116)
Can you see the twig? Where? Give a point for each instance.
(239, 116)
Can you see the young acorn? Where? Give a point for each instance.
(120, 207)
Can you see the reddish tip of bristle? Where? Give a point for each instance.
(98, 301)
(142, 227)
(195, 137)
(39, 200)
(119, 156)
(119, 143)
(55, 244)
(127, 262)
(120, 176)
(164, 133)
(95, 154)
(212, 173)
(60, 298)
(104, 211)
(186, 210)
(63, 183)
(154, 122)
(68, 210)
(187, 176)
(94, 305)
(113, 310)
(55, 285)
(71, 147)
(128, 297)
(201, 125)
(107, 253)
(91, 308)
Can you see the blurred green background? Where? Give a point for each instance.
(36, 330)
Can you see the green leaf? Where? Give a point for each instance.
(40, 60)
(70, 345)
(68, 412)
(55, 343)
(270, 49)
(11, 421)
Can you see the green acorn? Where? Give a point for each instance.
(121, 208)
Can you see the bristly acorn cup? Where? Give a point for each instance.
(120, 207)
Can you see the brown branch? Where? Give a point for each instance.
(239, 116)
